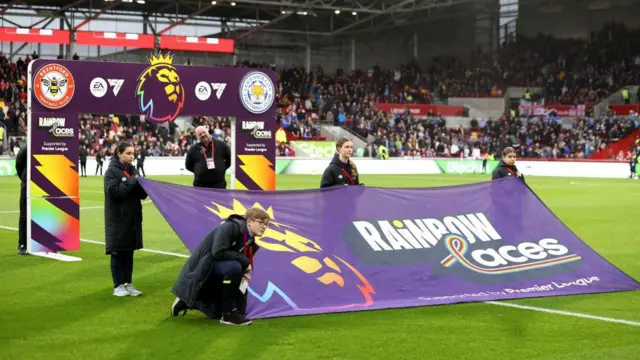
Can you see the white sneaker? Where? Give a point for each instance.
(120, 291)
(132, 290)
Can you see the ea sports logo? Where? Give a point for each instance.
(53, 86)
(203, 90)
(98, 87)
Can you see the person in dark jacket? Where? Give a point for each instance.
(123, 218)
(21, 171)
(210, 280)
(83, 161)
(142, 154)
(507, 166)
(208, 161)
(341, 171)
(99, 161)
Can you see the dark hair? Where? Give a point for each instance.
(508, 150)
(341, 142)
(122, 147)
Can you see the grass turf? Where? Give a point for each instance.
(53, 310)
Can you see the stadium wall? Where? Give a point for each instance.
(313, 166)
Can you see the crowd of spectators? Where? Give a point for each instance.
(534, 137)
(570, 71)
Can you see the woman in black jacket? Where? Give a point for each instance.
(341, 171)
(123, 218)
(507, 166)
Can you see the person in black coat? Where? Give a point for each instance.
(507, 166)
(208, 161)
(123, 218)
(83, 161)
(210, 280)
(21, 171)
(341, 171)
(142, 154)
(99, 161)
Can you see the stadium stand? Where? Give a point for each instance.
(570, 72)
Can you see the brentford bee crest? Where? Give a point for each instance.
(53, 86)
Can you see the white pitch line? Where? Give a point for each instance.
(566, 313)
(102, 243)
(81, 208)
(522, 307)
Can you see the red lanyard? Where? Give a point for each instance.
(348, 176)
(204, 152)
(250, 249)
(511, 171)
(126, 173)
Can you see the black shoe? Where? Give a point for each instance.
(234, 318)
(179, 306)
(22, 251)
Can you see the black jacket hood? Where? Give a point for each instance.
(336, 161)
(115, 162)
(504, 165)
(236, 219)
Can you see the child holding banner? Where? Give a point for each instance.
(123, 218)
(341, 171)
(507, 166)
(215, 278)
(505, 201)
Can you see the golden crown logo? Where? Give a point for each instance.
(161, 59)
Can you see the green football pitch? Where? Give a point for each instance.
(54, 310)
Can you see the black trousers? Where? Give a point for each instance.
(217, 185)
(22, 220)
(99, 167)
(121, 267)
(220, 294)
(83, 169)
(140, 167)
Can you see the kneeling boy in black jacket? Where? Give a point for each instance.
(210, 279)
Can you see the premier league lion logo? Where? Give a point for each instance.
(160, 92)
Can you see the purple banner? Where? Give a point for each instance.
(358, 248)
(61, 90)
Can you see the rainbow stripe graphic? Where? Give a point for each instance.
(365, 288)
(55, 204)
(458, 247)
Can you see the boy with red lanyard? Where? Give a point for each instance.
(215, 278)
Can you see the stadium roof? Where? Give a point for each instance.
(324, 18)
